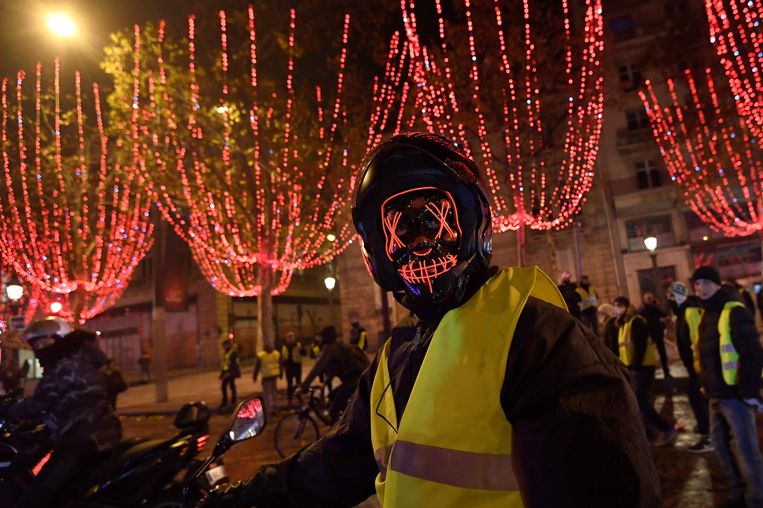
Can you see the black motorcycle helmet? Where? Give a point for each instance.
(417, 160)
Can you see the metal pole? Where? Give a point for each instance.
(655, 277)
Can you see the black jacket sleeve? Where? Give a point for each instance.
(744, 336)
(578, 436)
(336, 471)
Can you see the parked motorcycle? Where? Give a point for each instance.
(139, 472)
(248, 422)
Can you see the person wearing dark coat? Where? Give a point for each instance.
(230, 370)
(682, 302)
(731, 360)
(569, 291)
(740, 292)
(655, 318)
(71, 400)
(576, 436)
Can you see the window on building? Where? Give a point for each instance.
(660, 226)
(630, 76)
(636, 119)
(622, 27)
(648, 174)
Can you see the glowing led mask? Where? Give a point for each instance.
(422, 234)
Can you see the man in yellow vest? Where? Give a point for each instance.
(493, 395)
(687, 312)
(639, 354)
(730, 362)
(292, 353)
(589, 303)
(268, 362)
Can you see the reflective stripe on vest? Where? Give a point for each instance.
(625, 344)
(362, 340)
(452, 448)
(269, 363)
(693, 316)
(729, 355)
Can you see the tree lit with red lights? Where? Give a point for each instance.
(75, 222)
(528, 107)
(709, 152)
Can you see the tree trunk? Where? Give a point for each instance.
(265, 332)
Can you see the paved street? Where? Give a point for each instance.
(688, 480)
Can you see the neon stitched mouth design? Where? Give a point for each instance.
(426, 270)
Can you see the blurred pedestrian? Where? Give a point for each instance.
(730, 361)
(292, 353)
(268, 361)
(571, 297)
(743, 294)
(687, 310)
(637, 352)
(115, 383)
(358, 336)
(589, 301)
(230, 370)
(655, 318)
(144, 362)
(608, 326)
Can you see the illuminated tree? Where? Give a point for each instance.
(737, 37)
(709, 153)
(253, 162)
(75, 223)
(525, 99)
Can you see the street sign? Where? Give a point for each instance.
(17, 323)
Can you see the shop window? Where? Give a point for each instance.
(660, 226)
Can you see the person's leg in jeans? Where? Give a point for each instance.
(720, 435)
(744, 435)
(659, 341)
(268, 393)
(225, 382)
(698, 404)
(233, 392)
(290, 380)
(644, 379)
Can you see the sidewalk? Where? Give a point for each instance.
(190, 386)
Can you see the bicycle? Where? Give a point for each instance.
(299, 428)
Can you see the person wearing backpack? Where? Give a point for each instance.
(337, 360)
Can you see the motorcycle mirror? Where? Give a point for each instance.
(249, 421)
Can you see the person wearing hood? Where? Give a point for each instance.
(687, 310)
(490, 394)
(730, 363)
(638, 353)
(71, 400)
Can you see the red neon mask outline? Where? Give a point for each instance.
(422, 271)
(391, 240)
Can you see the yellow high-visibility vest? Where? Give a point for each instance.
(453, 448)
(729, 355)
(693, 316)
(625, 343)
(270, 363)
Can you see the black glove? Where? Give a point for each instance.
(230, 495)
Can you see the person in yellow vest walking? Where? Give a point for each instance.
(490, 395)
(268, 362)
(230, 369)
(730, 363)
(358, 336)
(639, 354)
(292, 353)
(687, 312)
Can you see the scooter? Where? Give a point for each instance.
(138, 472)
(248, 422)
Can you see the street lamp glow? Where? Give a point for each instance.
(330, 282)
(331, 237)
(650, 242)
(61, 24)
(14, 292)
(56, 307)
(221, 109)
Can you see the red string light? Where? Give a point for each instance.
(529, 184)
(271, 209)
(736, 33)
(712, 158)
(77, 231)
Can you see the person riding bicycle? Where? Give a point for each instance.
(71, 400)
(336, 360)
(495, 397)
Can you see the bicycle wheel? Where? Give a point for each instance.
(293, 432)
